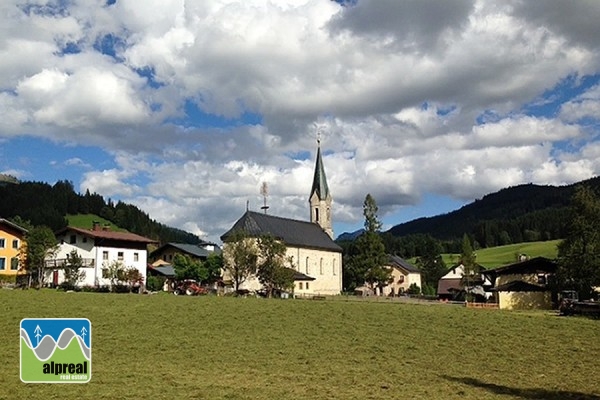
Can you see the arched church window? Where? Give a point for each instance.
(334, 271)
(316, 214)
(307, 269)
(321, 266)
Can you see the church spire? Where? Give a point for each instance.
(320, 198)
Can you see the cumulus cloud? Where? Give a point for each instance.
(198, 103)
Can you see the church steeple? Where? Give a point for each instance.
(320, 198)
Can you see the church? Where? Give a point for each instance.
(316, 258)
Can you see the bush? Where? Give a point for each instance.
(8, 278)
(414, 289)
(428, 290)
(155, 283)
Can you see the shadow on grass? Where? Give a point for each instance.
(533, 394)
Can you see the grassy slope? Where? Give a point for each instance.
(502, 255)
(85, 221)
(165, 347)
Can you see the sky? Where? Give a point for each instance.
(184, 108)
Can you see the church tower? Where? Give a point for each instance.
(320, 198)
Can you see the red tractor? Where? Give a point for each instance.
(189, 287)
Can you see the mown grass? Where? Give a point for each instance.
(166, 347)
(503, 255)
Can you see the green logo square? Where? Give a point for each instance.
(56, 350)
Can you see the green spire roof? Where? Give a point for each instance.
(319, 185)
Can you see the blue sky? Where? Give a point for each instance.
(185, 108)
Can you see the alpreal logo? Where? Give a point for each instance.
(56, 350)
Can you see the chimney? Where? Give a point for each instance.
(95, 225)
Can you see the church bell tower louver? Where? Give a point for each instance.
(320, 198)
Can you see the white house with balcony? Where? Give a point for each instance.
(99, 248)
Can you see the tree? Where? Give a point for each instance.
(188, 268)
(115, 273)
(71, 267)
(214, 266)
(240, 257)
(369, 258)
(271, 272)
(430, 263)
(134, 278)
(467, 259)
(579, 252)
(41, 245)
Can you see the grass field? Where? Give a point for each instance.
(173, 347)
(503, 255)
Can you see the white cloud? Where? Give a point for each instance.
(415, 96)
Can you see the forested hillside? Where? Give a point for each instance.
(522, 213)
(44, 204)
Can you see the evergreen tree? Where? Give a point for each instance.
(368, 262)
(579, 252)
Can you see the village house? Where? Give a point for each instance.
(12, 237)
(524, 284)
(197, 252)
(404, 274)
(98, 247)
(315, 257)
(453, 283)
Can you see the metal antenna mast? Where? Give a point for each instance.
(264, 191)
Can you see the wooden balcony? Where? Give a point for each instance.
(58, 263)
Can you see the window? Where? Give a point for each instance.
(321, 266)
(300, 285)
(2, 263)
(120, 256)
(16, 244)
(306, 285)
(105, 255)
(334, 271)
(2, 243)
(401, 279)
(317, 214)
(136, 257)
(14, 263)
(541, 279)
(307, 269)
(73, 239)
(84, 239)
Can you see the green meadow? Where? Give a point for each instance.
(502, 255)
(178, 347)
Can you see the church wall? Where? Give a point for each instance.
(325, 266)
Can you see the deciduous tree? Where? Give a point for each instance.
(72, 269)
(272, 272)
(41, 245)
(240, 256)
(188, 268)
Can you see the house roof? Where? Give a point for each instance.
(299, 276)
(13, 225)
(447, 286)
(166, 270)
(191, 249)
(519, 286)
(292, 232)
(533, 265)
(109, 235)
(396, 261)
